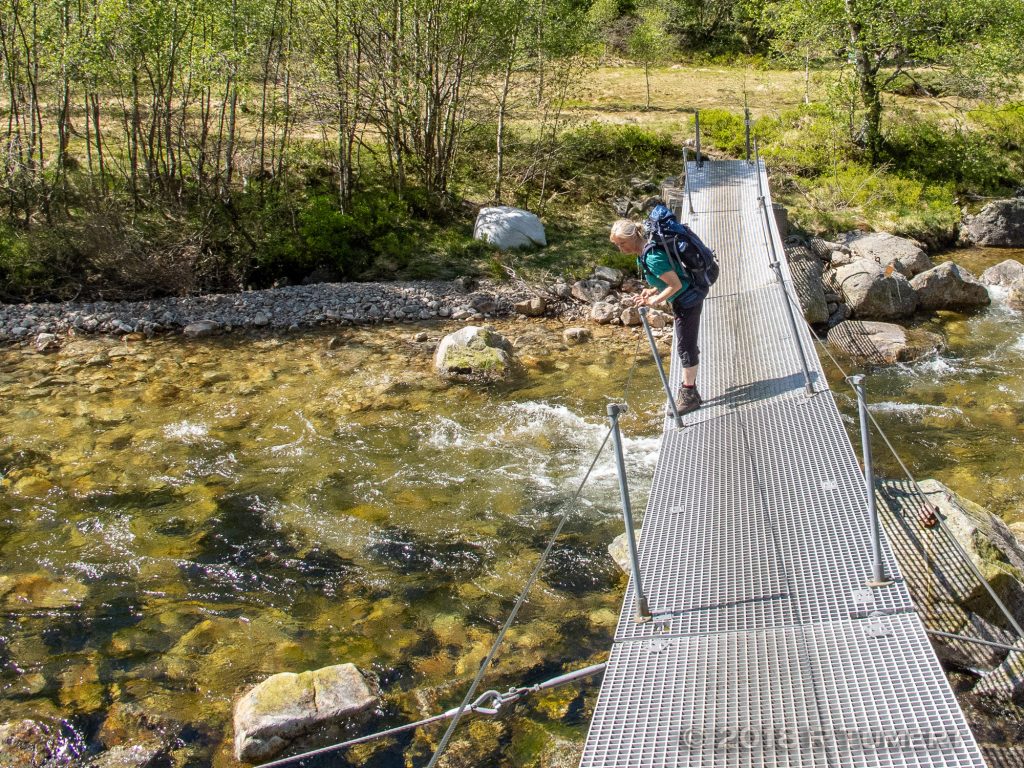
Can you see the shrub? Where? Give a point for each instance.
(17, 271)
(724, 130)
(630, 147)
(1002, 125)
(926, 83)
(857, 196)
(934, 152)
(372, 238)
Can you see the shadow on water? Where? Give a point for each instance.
(244, 552)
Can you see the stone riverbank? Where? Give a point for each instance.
(290, 307)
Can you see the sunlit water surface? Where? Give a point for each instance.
(179, 520)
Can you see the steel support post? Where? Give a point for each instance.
(878, 577)
(746, 121)
(661, 369)
(689, 191)
(757, 169)
(696, 122)
(643, 612)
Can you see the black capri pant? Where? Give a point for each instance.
(687, 324)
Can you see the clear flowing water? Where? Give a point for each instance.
(957, 416)
(179, 520)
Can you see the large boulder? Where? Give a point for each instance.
(807, 273)
(880, 343)
(1003, 274)
(474, 353)
(1000, 223)
(904, 255)
(591, 290)
(508, 228)
(288, 706)
(1016, 296)
(947, 286)
(962, 603)
(610, 275)
(870, 292)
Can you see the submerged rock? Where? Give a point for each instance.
(576, 335)
(474, 353)
(880, 343)
(41, 590)
(27, 744)
(128, 756)
(287, 706)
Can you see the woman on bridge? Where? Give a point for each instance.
(669, 283)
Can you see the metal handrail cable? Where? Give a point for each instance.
(920, 491)
(523, 594)
(499, 700)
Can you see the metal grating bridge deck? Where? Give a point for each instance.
(766, 648)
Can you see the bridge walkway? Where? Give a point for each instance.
(767, 648)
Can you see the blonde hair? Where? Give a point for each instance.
(624, 229)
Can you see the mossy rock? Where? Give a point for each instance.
(475, 354)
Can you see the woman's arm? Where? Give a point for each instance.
(672, 285)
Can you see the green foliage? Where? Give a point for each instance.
(16, 268)
(805, 142)
(723, 130)
(628, 147)
(612, 257)
(973, 44)
(857, 196)
(926, 83)
(940, 153)
(372, 238)
(1002, 125)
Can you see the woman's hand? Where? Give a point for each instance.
(645, 294)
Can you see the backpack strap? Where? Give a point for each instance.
(649, 246)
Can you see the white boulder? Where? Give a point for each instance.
(509, 228)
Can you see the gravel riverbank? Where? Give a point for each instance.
(290, 307)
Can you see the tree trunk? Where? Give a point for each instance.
(867, 71)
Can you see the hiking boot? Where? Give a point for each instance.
(688, 400)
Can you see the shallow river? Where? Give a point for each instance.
(179, 520)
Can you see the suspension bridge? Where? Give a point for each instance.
(767, 621)
(781, 632)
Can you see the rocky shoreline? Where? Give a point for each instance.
(859, 277)
(288, 308)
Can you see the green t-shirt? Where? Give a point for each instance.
(658, 263)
